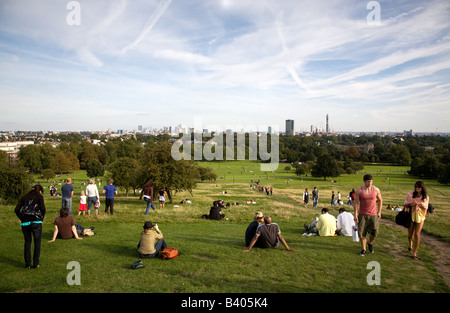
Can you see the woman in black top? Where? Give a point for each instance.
(31, 225)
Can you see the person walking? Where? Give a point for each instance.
(306, 197)
(315, 197)
(32, 224)
(147, 194)
(367, 212)
(417, 201)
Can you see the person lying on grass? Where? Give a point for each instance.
(269, 236)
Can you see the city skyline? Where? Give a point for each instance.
(372, 66)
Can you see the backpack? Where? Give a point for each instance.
(31, 211)
(136, 265)
(169, 253)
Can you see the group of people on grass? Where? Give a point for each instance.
(261, 232)
(335, 198)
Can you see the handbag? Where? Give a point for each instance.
(31, 211)
(403, 218)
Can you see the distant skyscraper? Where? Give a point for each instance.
(327, 125)
(290, 128)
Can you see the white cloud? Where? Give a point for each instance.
(246, 56)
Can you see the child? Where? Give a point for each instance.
(162, 199)
(83, 206)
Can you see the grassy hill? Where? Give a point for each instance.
(211, 258)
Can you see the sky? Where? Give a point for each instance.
(94, 65)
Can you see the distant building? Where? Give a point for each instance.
(290, 128)
(327, 129)
(12, 148)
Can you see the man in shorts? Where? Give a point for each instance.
(367, 212)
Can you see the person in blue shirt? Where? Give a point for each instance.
(109, 190)
(67, 195)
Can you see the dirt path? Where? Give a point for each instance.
(440, 249)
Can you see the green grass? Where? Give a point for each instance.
(211, 251)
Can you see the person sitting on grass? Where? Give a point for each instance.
(269, 236)
(146, 247)
(251, 229)
(215, 213)
(325, 225)
(344, 223)
(66, 228)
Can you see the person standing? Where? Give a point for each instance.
(315, 196)
(162, 198)
(82, 207)
(109, 190)
(306, 197)
(92, 195)
(417, 201)
(32, 225)
(367, 212)
(67, 195)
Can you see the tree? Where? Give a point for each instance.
(126, 173)
(89, 154)
(301, 169)
(352, 153)
(15, 182)
(427, 167)
(325, 167)
(95, 169)
(206, 174)
(30, 157)
(444, 174)
(47, 174)
(400, 155)
(157, 164)
(60, 163)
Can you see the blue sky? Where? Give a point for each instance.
(236, 64)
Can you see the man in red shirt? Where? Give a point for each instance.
(367, 212)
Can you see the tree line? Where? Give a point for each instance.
(133, 161)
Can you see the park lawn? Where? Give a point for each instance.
(211, 257)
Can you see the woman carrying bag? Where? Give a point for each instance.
(417, 201)
(31, 211)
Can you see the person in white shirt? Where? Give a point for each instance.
(92, 196)
(344, 223)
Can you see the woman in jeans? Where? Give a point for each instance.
(147, 194)
(92, 195)
(32, 225)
